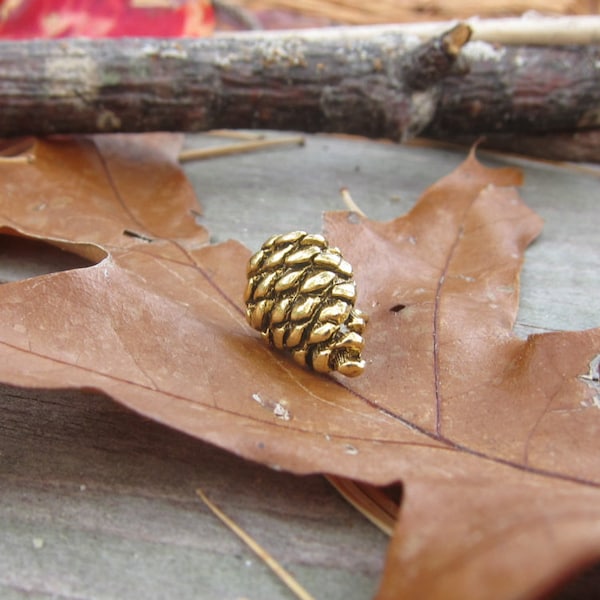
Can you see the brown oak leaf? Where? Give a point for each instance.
(495, 438)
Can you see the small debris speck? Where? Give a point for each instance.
(281, 412)
(38, 543)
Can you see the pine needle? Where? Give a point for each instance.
(285, 577)
(349, 202)
(236, 134)
(369, 500)
(239, 148)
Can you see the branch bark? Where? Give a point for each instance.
(330, 80)
(371, 81)
(521, 90)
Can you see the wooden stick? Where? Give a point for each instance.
(550, 31)
(235, 134)
(392, 11)
(514, 31)
(327, 80)
(238, 148)
(371, 81)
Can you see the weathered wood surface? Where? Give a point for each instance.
(363, 81)
(98, 503)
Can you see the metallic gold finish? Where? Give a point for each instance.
(317, 282)
(300, 295)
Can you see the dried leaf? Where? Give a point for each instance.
(494, 438)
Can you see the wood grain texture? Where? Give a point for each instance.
(97, 502)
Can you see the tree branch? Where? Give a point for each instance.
(326, 80)
(371, 81)
(521, 90)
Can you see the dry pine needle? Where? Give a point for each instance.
(283, 575)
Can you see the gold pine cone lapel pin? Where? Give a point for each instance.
(300, 296)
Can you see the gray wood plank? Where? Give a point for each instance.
(98, 502)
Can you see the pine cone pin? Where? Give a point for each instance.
(300, 296)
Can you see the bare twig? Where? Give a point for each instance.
(324, 80)
(236, 134)
(349, 202)
(371, 81)
(532, 28)
(15, 160)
